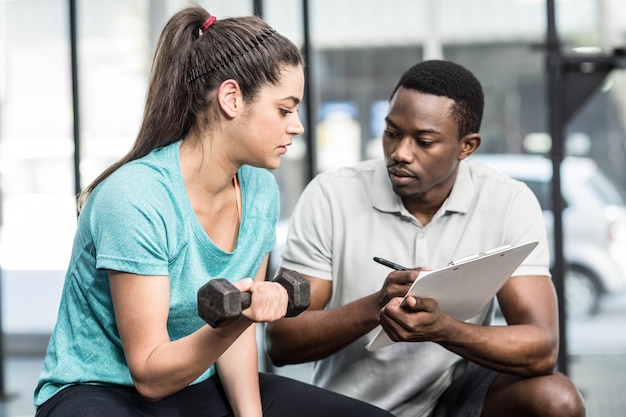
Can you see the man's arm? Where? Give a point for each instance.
(318, 332)
(527, 346)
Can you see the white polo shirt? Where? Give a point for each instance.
(347, 216)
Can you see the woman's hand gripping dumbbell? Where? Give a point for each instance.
(219, 300)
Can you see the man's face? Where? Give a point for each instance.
(421, 146)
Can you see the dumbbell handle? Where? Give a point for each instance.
(246, 299)
(298, 289)
(219, 300)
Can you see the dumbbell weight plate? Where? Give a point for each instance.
(220, 295)
(299, 290)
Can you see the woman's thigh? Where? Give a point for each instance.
(204, 399)
(96, 401)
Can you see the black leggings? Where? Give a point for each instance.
(280, 396)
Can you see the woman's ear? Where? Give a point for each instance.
(229, 97)
(469, 144)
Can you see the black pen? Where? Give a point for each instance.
(395, 266)
(390, 264)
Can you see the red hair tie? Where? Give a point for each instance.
(208, 23)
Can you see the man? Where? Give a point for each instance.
(423, 206)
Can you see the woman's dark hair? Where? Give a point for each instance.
(447, 79)
(190, 64)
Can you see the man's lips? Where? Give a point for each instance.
(401, 177)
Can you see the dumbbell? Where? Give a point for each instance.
(219, 300)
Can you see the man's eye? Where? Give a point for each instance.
(391, 134)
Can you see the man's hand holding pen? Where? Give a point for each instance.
(397, 282)
(405, 319)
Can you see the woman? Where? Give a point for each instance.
(191, 201)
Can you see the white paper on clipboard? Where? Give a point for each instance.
(464, 287)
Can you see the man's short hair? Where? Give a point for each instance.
(448, 79)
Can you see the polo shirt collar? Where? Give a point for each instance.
(460, 198)
(385, 199)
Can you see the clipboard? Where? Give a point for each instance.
(464, 287)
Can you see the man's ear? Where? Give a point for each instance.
(229, 97)
(469, 144)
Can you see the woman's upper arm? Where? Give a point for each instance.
(141, 305)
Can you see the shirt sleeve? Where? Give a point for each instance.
(309, 240)
(129, 219)
(527, 224)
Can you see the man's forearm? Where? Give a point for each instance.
(525, 350)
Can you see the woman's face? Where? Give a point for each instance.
(272, 120)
